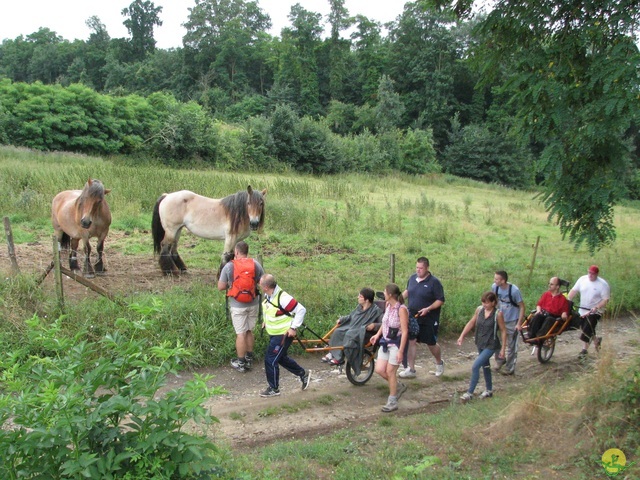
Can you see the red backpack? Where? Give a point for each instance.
(243, 288)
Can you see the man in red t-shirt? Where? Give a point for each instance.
(552, 304)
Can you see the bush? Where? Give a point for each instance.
(69, 413)
(478, 153)
(418, 153)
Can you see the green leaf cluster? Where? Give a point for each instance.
(571, 71)
(69, 413)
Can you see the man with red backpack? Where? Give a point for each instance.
(241, 277)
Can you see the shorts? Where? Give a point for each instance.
(391, 355)
(244, 318)
(428, 332)
(588, 327)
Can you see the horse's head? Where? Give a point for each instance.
(255, 207)
(90, 201)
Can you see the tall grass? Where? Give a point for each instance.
(325, 238)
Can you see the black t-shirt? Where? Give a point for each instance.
(423, 294)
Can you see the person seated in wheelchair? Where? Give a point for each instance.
(552, 306)
(352, 327)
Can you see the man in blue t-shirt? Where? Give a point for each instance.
(426, 296)
(512, 307)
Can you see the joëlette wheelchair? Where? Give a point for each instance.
(545, 339)
(320, 343)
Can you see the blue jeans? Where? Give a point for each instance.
(481, 362)
(275, 356)
(511, 353)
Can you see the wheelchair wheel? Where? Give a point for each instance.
(366, 369)
(545, 351)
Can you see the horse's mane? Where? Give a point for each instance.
(236, 207)
(96, 189)
(93, 190)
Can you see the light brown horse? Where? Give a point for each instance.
(231, 219)
(82, 214)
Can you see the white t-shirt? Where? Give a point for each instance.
(591, 293)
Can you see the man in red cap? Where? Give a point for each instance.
(594, 294)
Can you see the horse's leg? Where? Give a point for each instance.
(175, 256)
(88, 268)
(99, 266)
(177, 260)
(167, 265)
(227, 255)
(73, 254)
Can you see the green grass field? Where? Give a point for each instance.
(324, 239)
(327, 237)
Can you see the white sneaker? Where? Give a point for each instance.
(407, 373)
(465, 397)
(486, 394)
(390, 407)
(440, 369)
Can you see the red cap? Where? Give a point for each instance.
(594, 269)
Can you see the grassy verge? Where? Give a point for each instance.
(548, 430)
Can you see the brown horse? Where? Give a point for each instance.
(231, 219)
(82, 214)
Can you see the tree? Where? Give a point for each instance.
(142, 17)
(423, 55)
(369, 51)
(95, 53)
(339, 50)
(389, 109)
(572, 71)
(222, 39)
(299, 66)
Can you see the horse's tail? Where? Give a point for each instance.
(156, 226)
(65, 241)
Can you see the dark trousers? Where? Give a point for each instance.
(275, 356)
(540, 324)
(588, 327)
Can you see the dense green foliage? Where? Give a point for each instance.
(79, 409)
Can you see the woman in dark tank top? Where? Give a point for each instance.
(487, 320)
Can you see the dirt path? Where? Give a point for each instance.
(331, 402)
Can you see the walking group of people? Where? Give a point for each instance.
(398, 330)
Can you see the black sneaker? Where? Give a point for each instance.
(239, 365)
(582, 355)
(305, 379)
(248, 361)
(270, 392)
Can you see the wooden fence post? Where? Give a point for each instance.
(57, 274)
(533, 260)
(12, 251)
(392, 268)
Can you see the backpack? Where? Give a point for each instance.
(243, 288)
(511, 301)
